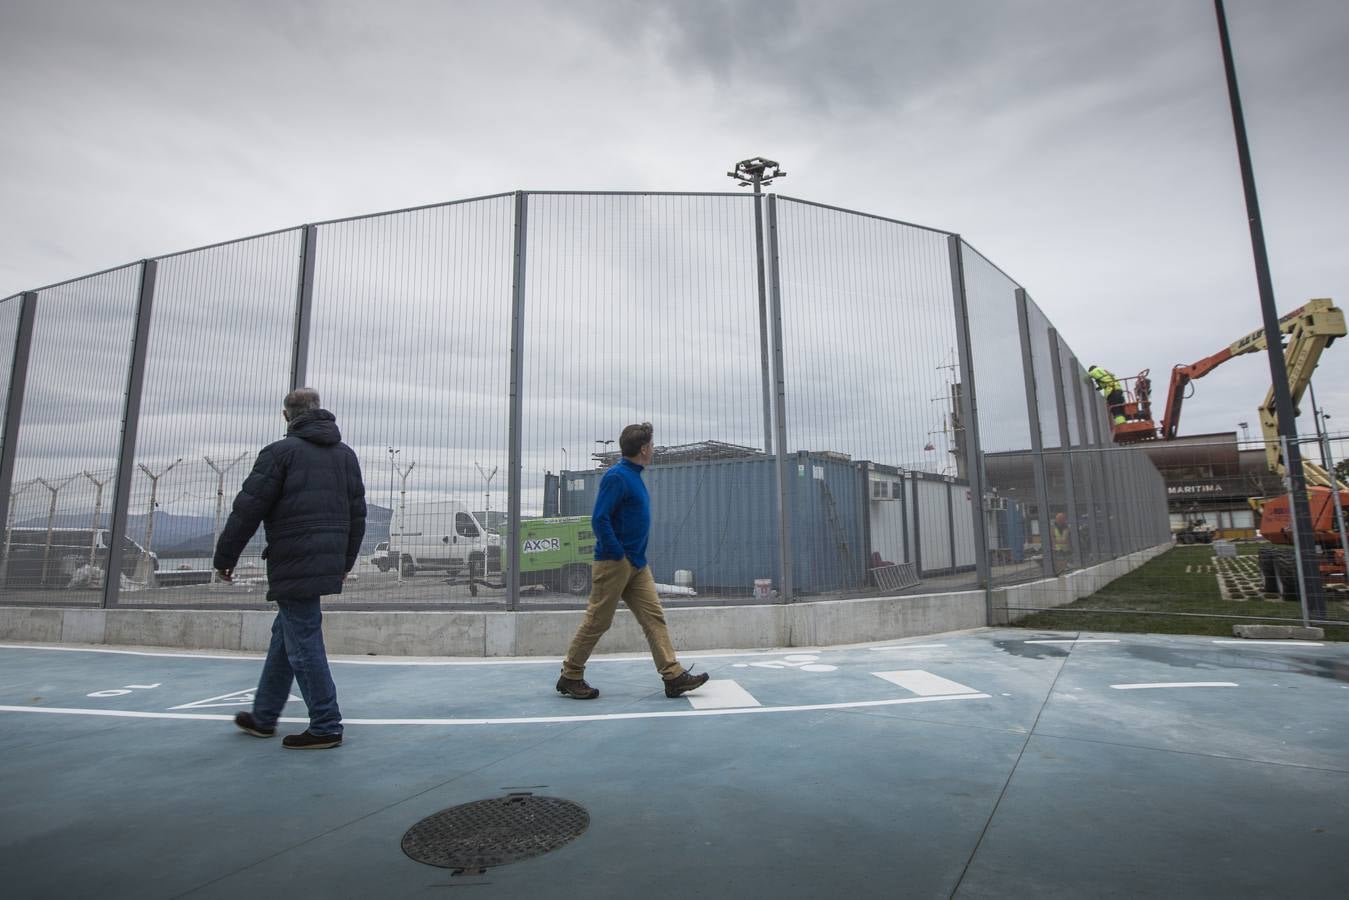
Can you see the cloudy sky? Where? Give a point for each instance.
(1084, 146)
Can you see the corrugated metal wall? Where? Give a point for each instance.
(718, 519)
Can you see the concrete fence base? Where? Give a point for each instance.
(1013, 603)
(547, 633)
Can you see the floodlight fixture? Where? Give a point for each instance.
(756, 171)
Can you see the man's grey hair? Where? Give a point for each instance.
(300, 400)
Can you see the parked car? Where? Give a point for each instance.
(380, 557)
(33, 561)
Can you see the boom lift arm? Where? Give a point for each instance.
(1310, 329)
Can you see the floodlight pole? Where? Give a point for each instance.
(758, 172)
(51, 518)
(487, 477)
(1283, 400)
(219, 492)
(154, 493)
(604, 448)
(402, 509)
(98, 512)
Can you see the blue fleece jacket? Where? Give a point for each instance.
(622, 517)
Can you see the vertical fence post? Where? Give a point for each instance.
(864, 519)
(126, 451)
(951, 522)
(1037, 447)
(903, 498)
(764, 365)
(513, 463)
(18, 380)
(785, 480)
(1100, 426)
(1065, 447)
(1085, 441)
(917, 530)
(969, 414)
(304, 302)
(1109, 460)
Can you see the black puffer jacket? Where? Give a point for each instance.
(307, 492)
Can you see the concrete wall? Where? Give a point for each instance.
(544, 633)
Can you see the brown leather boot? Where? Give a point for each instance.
(576, 688)
(684, 682)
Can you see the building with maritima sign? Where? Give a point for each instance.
(1214, 477)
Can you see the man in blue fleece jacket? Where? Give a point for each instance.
(621, 522)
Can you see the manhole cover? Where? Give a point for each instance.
(495, 832)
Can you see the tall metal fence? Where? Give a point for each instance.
(856, 406)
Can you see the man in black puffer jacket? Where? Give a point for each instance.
(306, 491)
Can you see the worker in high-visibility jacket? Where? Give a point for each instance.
(1109, 385)
(1058, 531)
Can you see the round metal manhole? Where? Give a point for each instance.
(495, 832)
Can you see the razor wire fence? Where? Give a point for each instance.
(853, 407)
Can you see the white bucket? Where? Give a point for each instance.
(763, 588)
(683, 578)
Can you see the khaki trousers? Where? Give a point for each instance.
(611, 581)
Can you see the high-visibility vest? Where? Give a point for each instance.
(1060, 536)
(1105, 381)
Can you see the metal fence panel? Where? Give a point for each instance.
(56, 544)
(9, 328)
(645, 308)
(864, 300)
(217, 368)
(1011, 502)
(410, 348)
(482, 357)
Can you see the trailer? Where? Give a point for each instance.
(557, 553)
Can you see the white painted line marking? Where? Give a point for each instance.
(1243, 643)
(1077, 641)
(925, 684)
(535, 720)
(908, 647)
(1173, 684)
(391, 661)
(721, 693)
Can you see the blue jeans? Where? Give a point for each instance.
(297, 654)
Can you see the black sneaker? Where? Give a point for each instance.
(684, 682)
(249, 725)
(576, 688)
(307, 740)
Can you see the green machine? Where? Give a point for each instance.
(557, 553)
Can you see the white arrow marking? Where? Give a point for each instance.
(237, 698)
(723, 693)
(925, 684)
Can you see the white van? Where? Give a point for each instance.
(443, 535)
